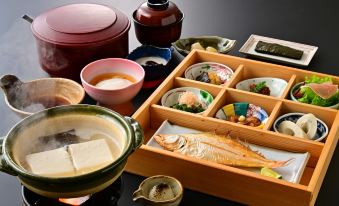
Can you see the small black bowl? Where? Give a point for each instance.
(154, 73)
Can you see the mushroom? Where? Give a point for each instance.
(290, 128)
(308, 123)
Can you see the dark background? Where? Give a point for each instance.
(303, 21)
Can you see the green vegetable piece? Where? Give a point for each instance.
(184, 107)
(265, 171)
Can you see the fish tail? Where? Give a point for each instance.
(276, 164)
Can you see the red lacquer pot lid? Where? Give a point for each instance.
(158, 13)
(80, 24)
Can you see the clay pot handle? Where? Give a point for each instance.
(9, 81)
(138, 132)
(4, 167)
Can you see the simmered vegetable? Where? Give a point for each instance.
(260, 88)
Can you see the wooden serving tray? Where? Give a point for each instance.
(225, 181)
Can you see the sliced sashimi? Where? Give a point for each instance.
(325, 90)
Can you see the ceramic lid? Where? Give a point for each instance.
(158, 13)
(80, 24)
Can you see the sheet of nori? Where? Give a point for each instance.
(278, 50)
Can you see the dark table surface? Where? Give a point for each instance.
(303, 21)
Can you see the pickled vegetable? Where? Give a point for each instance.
(278, 50)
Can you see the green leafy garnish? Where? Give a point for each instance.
(310, 97)
(258, 87)
(319, 80)
(207, 67)
(184, 107)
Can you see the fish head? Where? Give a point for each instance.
(170, 142)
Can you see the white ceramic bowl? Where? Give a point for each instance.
(322, 129)
(277, 86)
(112, 65)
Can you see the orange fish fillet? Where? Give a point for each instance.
(216, 148)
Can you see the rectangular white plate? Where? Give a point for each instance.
(249, 46)
(292, 172)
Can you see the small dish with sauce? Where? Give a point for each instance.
(26, 98)
(112, 81)
(155, 61)
(159, 190)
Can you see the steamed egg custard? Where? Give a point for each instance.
(69, 146)
(112, 81)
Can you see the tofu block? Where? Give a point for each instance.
(90, 156)
(52, 163)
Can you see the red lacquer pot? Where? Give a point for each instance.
(69, 37)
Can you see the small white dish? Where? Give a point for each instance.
(223, 72)
(171, 97)
(249, 46)
(291, 172)
(152, 190)
(277, 86)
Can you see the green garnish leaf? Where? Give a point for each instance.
(207, 67)
(311, 97)
(316, 79)
(184, 107)
(258, 87)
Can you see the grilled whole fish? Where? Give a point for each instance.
(216, 148)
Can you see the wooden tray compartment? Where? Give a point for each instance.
(324, 114)
(230, 96)
(225, 181)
